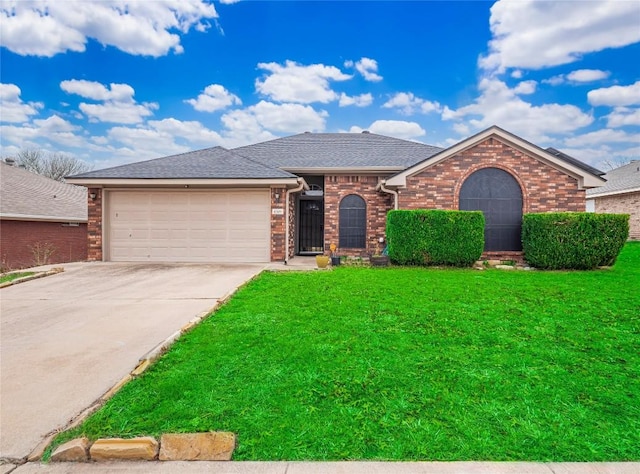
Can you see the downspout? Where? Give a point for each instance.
(300, 187)
(389, 191)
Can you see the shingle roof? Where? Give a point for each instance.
(574, 161)
(338, 150)
(26, 195)
(216, 162)
(620, 180)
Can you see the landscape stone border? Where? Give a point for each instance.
(53, 271)
(211, 446)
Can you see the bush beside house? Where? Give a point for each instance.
(435, 237)
(573, 240)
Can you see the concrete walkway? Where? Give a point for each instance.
(329, 468)
(66, 339)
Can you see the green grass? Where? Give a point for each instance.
(406, 364)
(14, 276)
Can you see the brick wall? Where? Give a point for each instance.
(23, 243)
(628, 203)
(94, 227)
(544, 189)
(378, 204)
(278, 235)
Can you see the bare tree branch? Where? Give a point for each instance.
(52, 165)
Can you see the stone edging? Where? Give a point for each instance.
(143, 363)
(53, 271)
(211, 446)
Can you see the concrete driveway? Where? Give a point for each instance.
(67, 338)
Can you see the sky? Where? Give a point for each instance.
(118, 81)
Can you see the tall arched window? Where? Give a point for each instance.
(353, 222)
(498, 195)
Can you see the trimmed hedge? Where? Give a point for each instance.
(573, 240)
(435, 237)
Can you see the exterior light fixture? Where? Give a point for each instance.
(93, 195)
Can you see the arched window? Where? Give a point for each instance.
(498, 195)
(353, 222)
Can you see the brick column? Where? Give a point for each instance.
(94, 226)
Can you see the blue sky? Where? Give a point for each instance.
(113, 82)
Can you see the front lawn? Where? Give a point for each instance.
(406, 364)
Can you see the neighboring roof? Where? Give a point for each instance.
(29, 196)
(210, 163)
(325, 151)
(625, 179)
(587, 176)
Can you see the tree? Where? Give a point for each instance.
(52, 165)
(615, 162)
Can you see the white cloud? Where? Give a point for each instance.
(50, 27)
(13, 108)
(602, 156)
(362, 100)
(615, 95)
(118, 105)
(393, 128)
(214, 97)
(587, 75)
(294, 82)
(367, 67)
(288, 118)
(192, 131)
(408, 104)
(605, 135)
(53, 129)
(499, 105)
(96, 91)
(579, 76)
(623, 116)
(525, 87)
(146, 142)
(530, 34)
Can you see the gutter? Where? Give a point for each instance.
(301, 185)
(381, 187)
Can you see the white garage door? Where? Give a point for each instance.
(189, 226)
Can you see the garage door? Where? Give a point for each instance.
(188, 226)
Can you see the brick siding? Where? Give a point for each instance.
(19, 241)
(94, 227)
(628, 203)
(278, 224)
(378, 204)
(544, 189)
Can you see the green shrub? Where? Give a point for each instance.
(435, 237)
(573, 240)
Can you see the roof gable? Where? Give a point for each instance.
(28, 196)
(586, 175)
(334, 151)
(210, 163)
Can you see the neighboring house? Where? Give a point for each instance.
(621, 195)
(297, 195)
(41, 220)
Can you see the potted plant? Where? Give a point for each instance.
(381, 257)
(335, 258)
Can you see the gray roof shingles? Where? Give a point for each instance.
(338, 150)
(210, 163)
(620, 180)
(29, 195)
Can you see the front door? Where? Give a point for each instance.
(310, 226)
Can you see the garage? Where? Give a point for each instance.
(216, 226)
